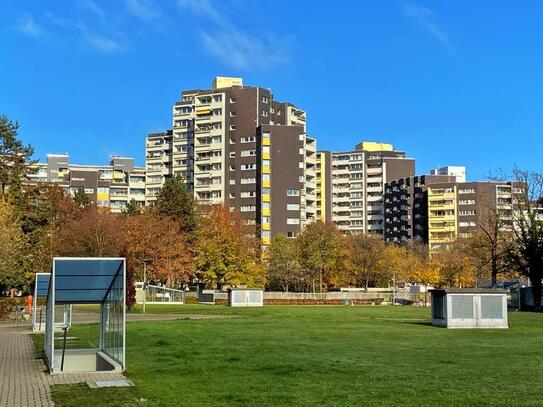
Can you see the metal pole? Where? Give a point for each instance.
(144, 284)
(394, 289)
(63, 349)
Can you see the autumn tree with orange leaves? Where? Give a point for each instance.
(228, 251)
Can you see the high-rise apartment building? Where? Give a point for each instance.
(111, 186)
(350, 185)
(235, 145)
(458, 209)
(406, 207)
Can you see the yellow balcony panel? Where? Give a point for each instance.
(266, 212)
(118, 175)
(266, 240)
(203, 112)
(266, 141)
(266, 184)
(102, 196)
(266, 170)
(266, 226)
(266, 197)
(266, 156)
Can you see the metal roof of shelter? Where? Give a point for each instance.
(42, 284)
(84, 281)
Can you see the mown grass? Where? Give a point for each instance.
(333, 356)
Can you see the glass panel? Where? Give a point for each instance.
(254, 297)
(491, 307)
(462, 306)
(112, 313)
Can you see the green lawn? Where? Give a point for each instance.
(337, 356)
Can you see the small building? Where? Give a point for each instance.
(245, 297)
(469, 308)
(87, 280)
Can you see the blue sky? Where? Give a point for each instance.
(450, 83)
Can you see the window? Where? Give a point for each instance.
(266, 149)
(217, 98)
(293, 221)
(232, 127)
(217, 125)
(293, 192)
(293, 207)
(264, 99)
(466, 191)
(248, 139)
(466, 213)
(266, 163)
(248, 181)
(232, 113)
(248, 166)
(232, 140)
(232, 182)
(265, 219)
(232, 154)
(466, 202)
(265, 177)
(231, 195)
(264, 113)
(217, 112)
(266, 233)
(247, 194)
(247, 208)
(232, 100)
(248, 153)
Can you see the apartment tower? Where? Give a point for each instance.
(350, 184)
(237, 146)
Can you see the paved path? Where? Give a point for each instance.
(23, 379)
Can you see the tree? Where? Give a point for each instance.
(490, 241)
(174, 201)
(81, 198)
(228, 251)
(15, 162)
(12, 248)
(158, 242)
(367, 255)
(525, 248)
(130, 278)
(455, 267)
(132, 208)
(96, 233)
(284, 269)
(322, 251)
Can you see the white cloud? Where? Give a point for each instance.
(144, 9)
(28, 26)
(102, 43)
(426, 18)
(92, 7)
(203, 8)
(233, 46)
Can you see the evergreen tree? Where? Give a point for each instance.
(175, 201)
(81, 198)
(132, 208)
(15, 162)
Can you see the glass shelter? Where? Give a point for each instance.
(87, 280)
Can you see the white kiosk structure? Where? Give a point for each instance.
(469, 308)
(246, 297)
(87, 281)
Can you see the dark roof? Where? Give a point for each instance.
(84, 280)
(469, 290)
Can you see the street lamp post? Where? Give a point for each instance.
(144, 283)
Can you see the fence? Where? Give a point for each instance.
(373, 297)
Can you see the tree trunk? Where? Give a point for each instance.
(494, 269)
